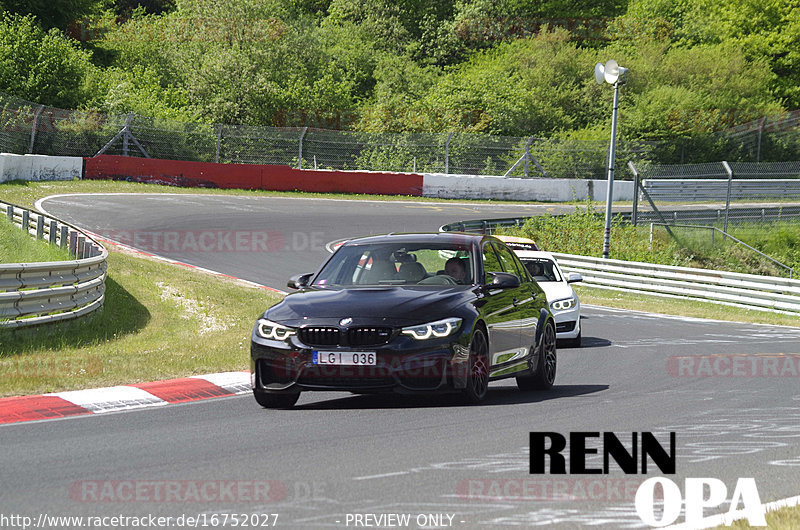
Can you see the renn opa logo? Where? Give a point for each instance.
(548, 448)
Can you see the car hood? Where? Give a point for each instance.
(557, 290)
(399, 304)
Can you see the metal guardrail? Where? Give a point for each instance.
(766, 293)
(711, 215)
(38, 293)
(688, 189)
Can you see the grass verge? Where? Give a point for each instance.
(159, 321)
(26, 193)
(783, 518)
(18, 247)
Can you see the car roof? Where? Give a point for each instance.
(522, 254)
(421, 237)
(518, 243)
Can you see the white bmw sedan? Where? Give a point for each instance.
(561, 296)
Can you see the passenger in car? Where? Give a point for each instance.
(456, 269)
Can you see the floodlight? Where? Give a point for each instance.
(599, 73)
(613, 74)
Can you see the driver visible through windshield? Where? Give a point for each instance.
(398, 264)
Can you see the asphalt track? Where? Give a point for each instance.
(336, 454)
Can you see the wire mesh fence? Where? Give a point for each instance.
(27, 127)
(724, 209)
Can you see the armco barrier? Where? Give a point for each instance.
(39, 167)
(250, 176)
(716, 189)
(522, 189)
(38, 293)
(768, 293)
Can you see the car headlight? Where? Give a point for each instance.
(438, 329)
(561, 305)
(272, 330)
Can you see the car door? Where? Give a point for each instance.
(527, 299)
(501, 315)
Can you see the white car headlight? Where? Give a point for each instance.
(272, 330)
(562, 305)
(438, 329)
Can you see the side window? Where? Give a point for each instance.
(490, 262)
(524, 276)
(509, 262)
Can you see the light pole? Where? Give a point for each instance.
(616, 75)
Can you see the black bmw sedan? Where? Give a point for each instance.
(407, 313)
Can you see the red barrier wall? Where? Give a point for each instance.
(249, 176)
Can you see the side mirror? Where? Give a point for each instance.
(502, 280)
(299, 281)
(573, 277)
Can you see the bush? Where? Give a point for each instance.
(40, 66)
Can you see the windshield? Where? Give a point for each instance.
(542, 269)
(398, 264)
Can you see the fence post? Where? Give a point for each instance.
(760, 131)
(39, 227)
(33, 127)
(636, 184)
(53, 232)
(219, 141)
(447, 154)
(126, 134)
(527, 154)
(729, 171)
(73, 242)
(300, 149)
(26, 223)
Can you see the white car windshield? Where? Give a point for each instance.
(397, 264)
(542, 269)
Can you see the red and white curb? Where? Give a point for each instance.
(124, 397)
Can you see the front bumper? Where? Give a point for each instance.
(404, 365)
(568, 323)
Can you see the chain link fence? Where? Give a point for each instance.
(724, 209)
(27, 127)
(717, 193)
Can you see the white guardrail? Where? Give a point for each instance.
(38, 293)
(766, 293)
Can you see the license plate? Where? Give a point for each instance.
(360, 358)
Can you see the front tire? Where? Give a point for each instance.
(478, 378)
(544, 373)
(276, 401)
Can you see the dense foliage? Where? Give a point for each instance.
(508, 67)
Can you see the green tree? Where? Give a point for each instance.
(53, 13)
(525, 87)
(762, 30)
(40, 66)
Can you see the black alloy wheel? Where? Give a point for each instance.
(478, 379)
(544, 373)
